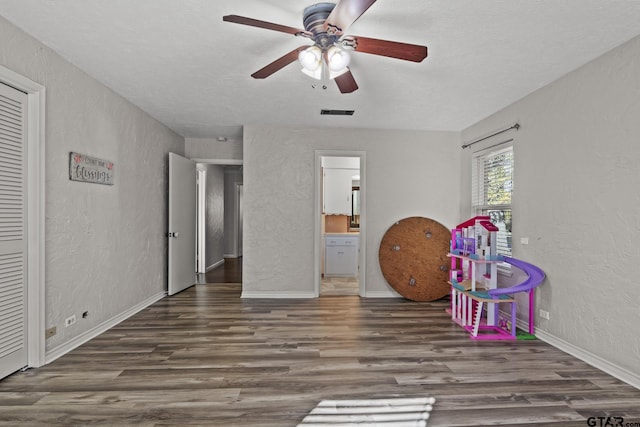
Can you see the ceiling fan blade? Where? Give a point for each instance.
(405, 51)
(344, 14)
(263, 24)
(346, 83)
(278, 64)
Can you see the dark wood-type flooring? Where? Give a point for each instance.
(229, 272)
(207, 357)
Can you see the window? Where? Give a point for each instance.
(492, 186)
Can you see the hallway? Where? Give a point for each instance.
(229, 272)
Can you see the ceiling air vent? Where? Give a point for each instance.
(337, 112)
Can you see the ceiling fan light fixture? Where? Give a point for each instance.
(316, 74)
(328, 59)
(311, 58)
(338, 59)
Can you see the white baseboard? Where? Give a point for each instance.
(596, 361)
(382, 294)
(278, 294)
(65, 348)
(612, 369)
(215, 264)
(231, 256)
(310, 294)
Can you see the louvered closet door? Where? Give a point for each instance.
(13, 295)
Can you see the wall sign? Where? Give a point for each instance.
(89, 169)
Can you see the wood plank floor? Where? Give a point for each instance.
(229, 272)
(206, 357)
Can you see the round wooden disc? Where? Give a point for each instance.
(413, 258)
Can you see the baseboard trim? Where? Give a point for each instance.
(278, 294)
(65, 348)
(381, 294)
(231, 256)
(596, 361)
(214, 265)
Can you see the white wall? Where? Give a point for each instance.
(577, 198)
(214, 216)
(105, 245)
(407, 174)
(341, 162)
(232, 177)
(210, 148)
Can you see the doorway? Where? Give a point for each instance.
(219, 217)
(340, 233)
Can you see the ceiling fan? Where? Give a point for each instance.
(325, 24)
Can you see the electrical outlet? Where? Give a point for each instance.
(70, 321)
(524, 240)
(50, 332)
(544, 314)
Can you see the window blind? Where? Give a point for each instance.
(492, 188)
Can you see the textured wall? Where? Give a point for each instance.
(232, 177)
(105, 245)
(210, 148)
(407, 174)
(214, 215)
(576, 197)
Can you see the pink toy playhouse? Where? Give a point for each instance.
(475, 296)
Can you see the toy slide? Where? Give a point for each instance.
(535, 276)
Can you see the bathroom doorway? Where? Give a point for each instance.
(340, 223)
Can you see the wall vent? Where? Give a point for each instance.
(337, 112)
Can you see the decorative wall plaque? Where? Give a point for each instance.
(90, 169)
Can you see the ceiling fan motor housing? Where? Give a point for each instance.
(314, 18)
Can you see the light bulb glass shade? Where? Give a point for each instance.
(337, 58)
(316, 74)
(311, 58)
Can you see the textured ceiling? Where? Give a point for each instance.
(177, 59)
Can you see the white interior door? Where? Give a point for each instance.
(182, 223)
(13, 231)
(201, 217)
(240, 214)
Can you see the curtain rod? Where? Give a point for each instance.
(515, 126)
